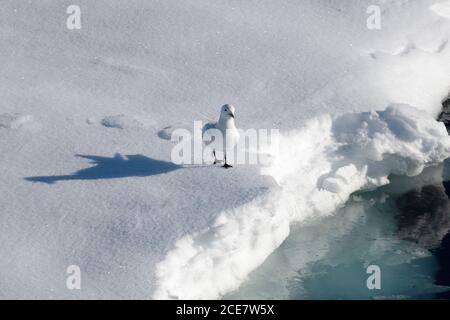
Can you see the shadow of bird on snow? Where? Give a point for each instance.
(110, 168)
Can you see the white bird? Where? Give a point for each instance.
(227, 127)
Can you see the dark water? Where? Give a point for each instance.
(403, 228)
(442, 253)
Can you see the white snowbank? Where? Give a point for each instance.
(317, 168)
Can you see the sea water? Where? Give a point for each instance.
(402, 228)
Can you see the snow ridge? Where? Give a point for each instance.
(317, 168)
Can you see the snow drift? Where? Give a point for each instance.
(317, 168)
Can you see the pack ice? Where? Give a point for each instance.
(86, 117)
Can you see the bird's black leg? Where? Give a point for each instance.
(226, 165)
(215, 159)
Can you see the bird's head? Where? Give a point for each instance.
(227, 111)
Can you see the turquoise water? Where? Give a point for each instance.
(403, 228)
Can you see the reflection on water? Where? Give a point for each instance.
(442, 253)
(424, 215)
(403, 228)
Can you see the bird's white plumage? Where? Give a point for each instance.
(207, 132)
(227, 128)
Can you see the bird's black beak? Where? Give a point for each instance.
(231, 114)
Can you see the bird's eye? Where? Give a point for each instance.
(226, 110)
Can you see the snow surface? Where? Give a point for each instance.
(86, 115)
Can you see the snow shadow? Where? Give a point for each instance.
(110, 168)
